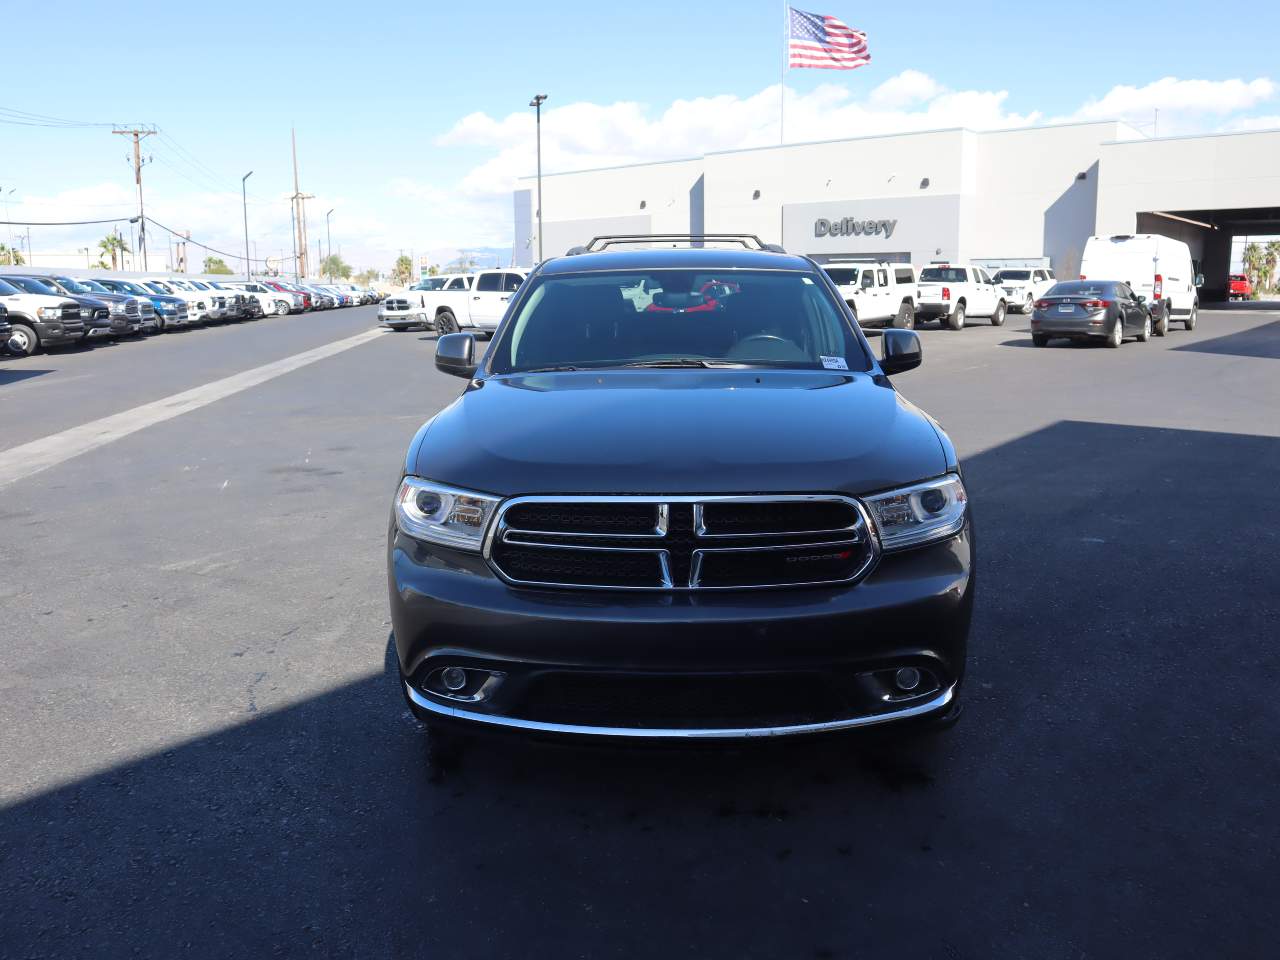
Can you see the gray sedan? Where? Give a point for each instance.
(1105, 310)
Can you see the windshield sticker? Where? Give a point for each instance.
(834, 363)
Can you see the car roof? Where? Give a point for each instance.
(678, 258)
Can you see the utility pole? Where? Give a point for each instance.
(300, 211)
(137, 177)
(328, 237)
(244, 201)
(536, 103)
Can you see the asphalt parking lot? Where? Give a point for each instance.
(205, 753)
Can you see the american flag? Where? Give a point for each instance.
(825, 43)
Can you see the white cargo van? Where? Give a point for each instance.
(1157, 268)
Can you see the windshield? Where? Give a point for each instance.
(134, 288)
(431, 283)
(158, 287)
(843, 276)
(943, 275)
(32, 285)
(197, 284)
(216, 286)
(180, 284)
(90, 285)
(8, 288)
(1013, 275)
(75, 286)
(678, 317)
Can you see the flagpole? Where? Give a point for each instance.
(782, 78)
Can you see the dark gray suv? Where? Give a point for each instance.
(680, 498)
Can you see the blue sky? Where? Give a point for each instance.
(412, 121)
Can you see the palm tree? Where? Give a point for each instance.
(113, 246)
(1255, 265)
(1272, 251)
(10, 257)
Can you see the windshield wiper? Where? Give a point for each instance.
(552, 369)
(682, 362)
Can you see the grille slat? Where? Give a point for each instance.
(682, 543)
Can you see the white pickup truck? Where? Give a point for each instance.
(951, 293)
(1023, 286)
(479, 307)
(877, 293)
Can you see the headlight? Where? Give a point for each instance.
(118, 309)
(439, 514)
(920, 513)
(168, 307)
(50, 313)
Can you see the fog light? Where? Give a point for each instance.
(907, 679)
(455, 678)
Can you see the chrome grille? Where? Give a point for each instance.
(397, 305)
(682, 543)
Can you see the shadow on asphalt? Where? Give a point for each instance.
(15, 376)
(1262, 342)
(1108, 792)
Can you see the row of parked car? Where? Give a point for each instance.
(43, 309)
(1130, 287)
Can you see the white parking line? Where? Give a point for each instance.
(22, 461)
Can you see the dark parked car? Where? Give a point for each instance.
(126, 311)
(147, 320)
(680, 523)
(95, 314)
(1104, 310)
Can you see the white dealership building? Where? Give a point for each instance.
(1022, 196)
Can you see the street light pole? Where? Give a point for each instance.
(536, 103)
(328, 241)
(244, 201)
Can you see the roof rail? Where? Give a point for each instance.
(748, 240)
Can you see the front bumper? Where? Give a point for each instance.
(396, 320)
(59, 333)
(675, 665)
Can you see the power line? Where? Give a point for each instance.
(205, 246)
(64, 223)
(26, 119)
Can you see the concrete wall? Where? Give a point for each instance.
(922, 228)
(1217, 172)
(646, 198)
(1030, 200)
(1011, 195)
(866, 169)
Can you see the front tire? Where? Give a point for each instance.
(906, 318)
(446, 324)
(956, 320)
(1190, 322)
(997, 318)
(23, 340)
(282, 308)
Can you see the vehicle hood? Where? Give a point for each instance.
(679, 431)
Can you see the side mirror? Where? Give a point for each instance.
(1199, 279)
(900, 351)
(456, 354)
(1140, 298)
